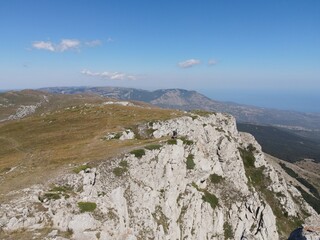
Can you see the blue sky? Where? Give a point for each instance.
(208, 46)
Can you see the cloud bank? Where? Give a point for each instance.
(110, 75)
(93, 43)
(189, 63)
(64, 45)
(44, 46)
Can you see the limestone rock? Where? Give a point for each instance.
(128, 134)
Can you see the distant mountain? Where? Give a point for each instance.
(290, 142)
(188, 100)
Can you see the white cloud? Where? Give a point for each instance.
(189, 63)
(68, 44)
(212, 62)
(93, 43)
(44, 46)
(64, 45)
(109, 75)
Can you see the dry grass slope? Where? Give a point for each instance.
(36, 148)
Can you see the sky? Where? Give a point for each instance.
(247, 51)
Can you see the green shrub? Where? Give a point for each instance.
(51, 196)
(123, 163)
(186, 141)
(251, 148)
(256, 176)
(190, 163)
(123, 167)
(207, 197)
(119, 171)
(117, 135)
(150, 131)
(60, 189)
(56, 192)
(153, 147)
(87, 206)
(138, 153)
(210, 198)
(80, 168)
(136, 131)
(66, 234)
(247, 157)
(214, 178)
(161, 219)
(228, 234)
(193, 184)
(172, 141)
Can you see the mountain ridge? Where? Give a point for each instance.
(211, 182)
(83, 166)
(188, 100)
(15, 105)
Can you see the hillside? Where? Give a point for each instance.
(66, 129)
(110, 170)
(19, 104)
(292, 128)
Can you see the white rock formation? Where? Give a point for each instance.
(168, 193)
(122, 103)
(127, 134)
(24, 111)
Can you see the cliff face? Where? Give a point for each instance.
(211, 183)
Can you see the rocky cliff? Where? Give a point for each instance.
(212, 182)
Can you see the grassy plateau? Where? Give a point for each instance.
(65, 134)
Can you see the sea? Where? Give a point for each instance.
(301, 101)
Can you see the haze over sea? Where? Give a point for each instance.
(301, 101)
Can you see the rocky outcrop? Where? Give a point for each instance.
(206, 184)
(24, 111)
(19, 111)
(122, 103)
(125, 135)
